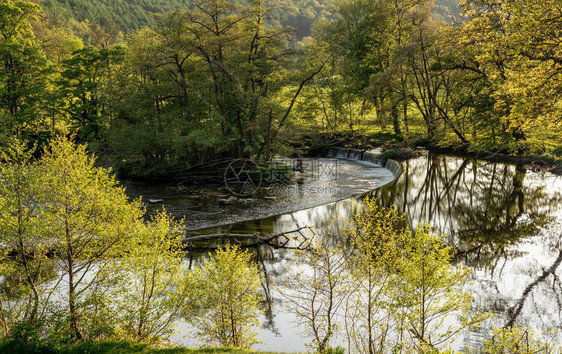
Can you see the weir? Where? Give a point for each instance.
(372, 157)
(356, 155)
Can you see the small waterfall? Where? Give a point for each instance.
(394, 167)
(356, 155)
(338, 153)
(372, 158)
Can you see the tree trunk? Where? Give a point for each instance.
(395, 119)
(406, 121)
(74, 327)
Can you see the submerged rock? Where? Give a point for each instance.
(229, 201)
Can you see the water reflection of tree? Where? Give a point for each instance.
(489, 211)
(265, 258)
(486, 209)
(514, 311)
(483, 207)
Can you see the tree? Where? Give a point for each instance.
(244, 63)
(516, 340)
(84, 262)
(22, 298)
(377, 236)
(159, 119)
(517, 46)
(151, 287)
(209, 82)
(317, 291)
(88, 221)
(393, 288)
(432, 291)
(81, 87)
(225, 309)
(366, 41)
(23, 69)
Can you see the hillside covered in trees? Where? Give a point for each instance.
(125, 14)
(218, 79)
(130, 15)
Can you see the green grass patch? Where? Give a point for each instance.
(109, 347)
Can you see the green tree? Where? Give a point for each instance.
(151, 287)
(208, 82)
(516, 340)
(377, 237)
(89, 221)
(22, 298)
(159, 120)
(517, 47)
(84, 262)
(23, 70)
(365, 40)
(382, 287)
(432, 290)
(81, 86)
(225, 310)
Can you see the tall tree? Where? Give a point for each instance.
(89, 220)
(81, 86)
(517, 44)
(23, 69)
(367, 37)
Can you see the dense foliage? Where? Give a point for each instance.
(129, 15)
(126, 15)
(389, 291)
(220, 79)
(156, 87)
(80, 263)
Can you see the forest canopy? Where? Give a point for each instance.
(156, 87)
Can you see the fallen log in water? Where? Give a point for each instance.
(295, 239)
(298, 239)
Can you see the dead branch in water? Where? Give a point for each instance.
(294, 239)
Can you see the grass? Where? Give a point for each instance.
(111, 347)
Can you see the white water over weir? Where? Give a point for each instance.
(372, 157)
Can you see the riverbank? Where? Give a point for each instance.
(397, 148)
(113, 347)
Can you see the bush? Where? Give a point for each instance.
(225, 307)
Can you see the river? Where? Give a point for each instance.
(505, 222)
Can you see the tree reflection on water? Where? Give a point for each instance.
(504, 222)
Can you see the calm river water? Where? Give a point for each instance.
(505, 222)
